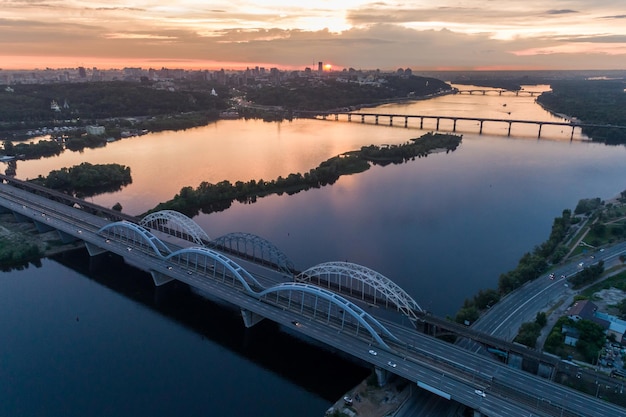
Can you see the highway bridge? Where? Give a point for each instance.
(498, 91)
(481, 121)
(260, 283)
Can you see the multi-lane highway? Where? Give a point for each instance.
(505, 317)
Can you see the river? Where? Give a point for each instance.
(89, 340)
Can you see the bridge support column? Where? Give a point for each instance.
(509, 132)
(406, 122)
(21, 218)
(539, 134)
(480, 132)
(362, 118)
(159, 278)
(94, 250)
(514, 360)
(250, 318)
(349, 117)
(42, 227)
(390, 120)
(421, 122)
(66, 238)
(376, 122)
(571, 136)
(337, 116)
(454, 126)
(546, 371)
(437, 128)
(382, 376)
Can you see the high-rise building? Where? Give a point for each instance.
(320, 66)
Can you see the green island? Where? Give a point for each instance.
(86, 180)
(209, 197)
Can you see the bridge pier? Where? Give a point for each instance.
(250, 318)
(20, 218)
(421, 122)
(376, 120)
(509, 132)
(94, 250)
(454, 125)
(406, 122)
(159, 278)
(539, 134)
(382, 376)
(42, 227)
(480, 132)
(349, 117)
(66, 237)
(437, 128)
(336, 116)
(571, 137)
(390, 120)
(362, 118)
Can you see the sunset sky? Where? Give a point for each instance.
(233, 34)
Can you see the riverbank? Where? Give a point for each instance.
(370, 400)
(49, 243)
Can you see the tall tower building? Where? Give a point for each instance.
(320, 66)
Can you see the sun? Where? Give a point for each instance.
(328, 67)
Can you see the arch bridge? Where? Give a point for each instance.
(363, 283)
(244, 245)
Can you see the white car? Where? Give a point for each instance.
(479, 392)
(392, 364)
(372, 352)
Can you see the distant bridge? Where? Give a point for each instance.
(454, 119)
(498, 91)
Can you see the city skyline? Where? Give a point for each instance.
(424, 35)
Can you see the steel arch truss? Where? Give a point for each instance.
(322, 304)
(176, 224)
(254, 247)
(358, 280)
(209, 262)
(135, 235)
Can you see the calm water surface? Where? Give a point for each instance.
(442, 227)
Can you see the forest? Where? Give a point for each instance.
(591, 101)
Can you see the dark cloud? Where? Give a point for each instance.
(561, 11)
(619, 16)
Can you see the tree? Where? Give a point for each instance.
(541, 319)
(117, 207)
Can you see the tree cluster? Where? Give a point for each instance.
(587, 205)
(531, 265)
(85, 180)
(529, 332)
(334, 93)
(17, 254)
(472, 307)
(28, 105)
(588, 275)
(41, 149)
